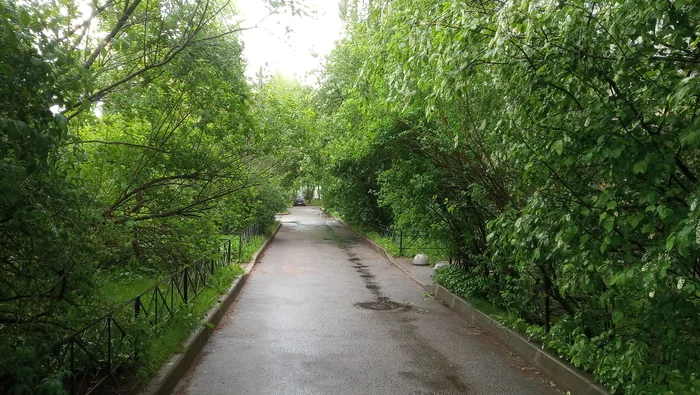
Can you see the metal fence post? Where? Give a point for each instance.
(137, 313)
(137, 307)
(401, 243)
(72, 366)
(240, 245)
(128, 345)
(184, 283)
(109, 343)
(155, 305)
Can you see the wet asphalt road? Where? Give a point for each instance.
(322, 313)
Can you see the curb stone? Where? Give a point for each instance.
(566, 375)
(175, 369)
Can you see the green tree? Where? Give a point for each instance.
(554, 143)
(290, 132)
(44, 213)
(152, 156)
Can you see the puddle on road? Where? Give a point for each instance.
(381, 302)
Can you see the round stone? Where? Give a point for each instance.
(421, 260)
(439, 265)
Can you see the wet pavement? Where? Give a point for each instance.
(323, 313)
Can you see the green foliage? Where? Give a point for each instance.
(552, 146)
(46, 244)
(127, 145)
(254, 245)
(352, 191)
(462, 283)
(161, 345)
(290, 129)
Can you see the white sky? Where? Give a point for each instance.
(295, 54)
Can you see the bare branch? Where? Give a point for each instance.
(115, 30)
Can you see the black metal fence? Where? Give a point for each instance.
(248, 234)
(396, 236)
(93, 353)
(413, 241)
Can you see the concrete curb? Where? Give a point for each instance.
(569, 377)
(175, 369)
(566, 375)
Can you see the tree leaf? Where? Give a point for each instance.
(639, 167)
(617, 316)
(24, 17)
(609, 223)
(670, 242)
(558, 146)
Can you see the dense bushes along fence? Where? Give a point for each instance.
(116, 340)
(156, 149)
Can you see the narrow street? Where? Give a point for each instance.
(322, 313)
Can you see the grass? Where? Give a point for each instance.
(163, 344)
(411, 248)
(386, 242)
(116, 290)
(249, 248)
(167, 343)
(500, 315)
(158, 344)
(334, 213)
(458, 282)
(490, 309)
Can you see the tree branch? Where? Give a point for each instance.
(123, 143)
(115, 30)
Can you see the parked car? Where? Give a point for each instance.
(299, 201)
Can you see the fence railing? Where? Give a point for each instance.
(93, 353)
(396, 236)
(248, 234)
(412, 240)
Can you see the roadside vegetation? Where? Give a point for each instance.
(553, 148)
(407, 245)
(160, 346)
(130, 144)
